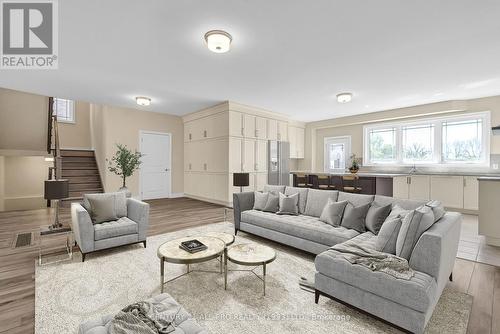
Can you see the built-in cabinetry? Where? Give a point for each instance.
(453, 191)
(296, 137)
(227, 139)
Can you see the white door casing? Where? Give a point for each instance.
(156, 171)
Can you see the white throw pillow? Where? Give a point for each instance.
(414, 224)
(289, 205)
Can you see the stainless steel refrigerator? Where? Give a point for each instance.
(278, 169)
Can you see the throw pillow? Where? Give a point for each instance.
(354, 217)
(437, 209)
(317, 199)
(388, 235)
(398, 211)
(376, 216)
(121, 204)
(274, 189)
(332, 212)
(288, 204)
(260, 200)
(102, 207)
(272, 204)
(302, 196)
(414, 224)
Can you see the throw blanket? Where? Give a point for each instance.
(144, 318)
(375, 261)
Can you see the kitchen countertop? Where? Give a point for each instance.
(483, 176)
(489, 178)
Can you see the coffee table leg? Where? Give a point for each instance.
(187, 268)
(162, 273)
(264, 277)
(221, 262)
(225, 269)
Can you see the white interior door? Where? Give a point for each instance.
(156, 165)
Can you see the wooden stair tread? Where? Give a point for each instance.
(77, 153)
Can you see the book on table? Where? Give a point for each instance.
(192, 246)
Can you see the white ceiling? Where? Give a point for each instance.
(288, 56)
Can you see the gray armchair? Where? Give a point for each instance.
(126, 230)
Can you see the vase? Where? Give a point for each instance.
(353, 170)
(127, 192)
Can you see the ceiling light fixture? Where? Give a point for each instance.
(143, 101)
(344, 97)
(218, 41)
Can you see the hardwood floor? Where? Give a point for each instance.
(17, 266)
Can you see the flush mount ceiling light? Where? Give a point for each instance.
(218, 41)
(143, 101)
(344, 97)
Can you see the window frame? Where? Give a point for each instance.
(72, 110)
(326, 155)
(438, 140)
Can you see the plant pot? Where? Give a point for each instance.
(353, 170)
(127, 192)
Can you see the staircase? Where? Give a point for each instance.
(80, 168)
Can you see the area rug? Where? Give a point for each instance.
(68, 293)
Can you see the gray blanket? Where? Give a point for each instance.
(375, 261)
(144, 318)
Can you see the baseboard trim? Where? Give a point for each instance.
(176, 195)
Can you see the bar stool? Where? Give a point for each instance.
(302, 180)
(351, 186)
(325, 182)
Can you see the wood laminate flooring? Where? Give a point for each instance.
(17, 266)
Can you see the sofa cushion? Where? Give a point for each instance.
(102, 207)
(273, 202)
(376, 216)
(367, 240)
(414, 224)
(301, 226)
(289, 205)
(274, 189)
(398, 212)
(356, 199)
(260, 200)
(407, 204)
(388, 235)
(111, 229)
(355, 216)
(437, 209)
(317, 199)
(417, 293)
(120, 202)
(302, 196)
(333, 212)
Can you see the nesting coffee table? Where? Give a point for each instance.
(170, 252)
(249, 255)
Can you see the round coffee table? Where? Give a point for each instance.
(171, 252)
(249, 255)
(226, 237)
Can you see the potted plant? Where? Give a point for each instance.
(124, 163)
(354, 168)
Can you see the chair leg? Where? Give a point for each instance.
(451, 277)
(235, 232)
(144, 243)
(316, 296)
(83, 257)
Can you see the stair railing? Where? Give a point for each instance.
(53, 146)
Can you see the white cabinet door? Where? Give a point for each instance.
(188, 131)
(249, 126)
(400, 187)
(300, 138)
(272, 129)
(282, 131)
(449, 190)
(261, 155)
(217, 125)
(471, 193)
(197, 129)
(419, 188)
(235, 124)
(249, 155)
(217, 152)
(235, 155)
(187, 156)
(261, 127)
(292, 139)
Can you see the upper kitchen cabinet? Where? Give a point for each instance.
(296, 138)
(272, 129)
(235, 124)
(260, 128)
(249, 126)
(282, 131)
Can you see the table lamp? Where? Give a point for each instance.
(241, 180)
(56, 190)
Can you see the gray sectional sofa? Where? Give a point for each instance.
(406, 304)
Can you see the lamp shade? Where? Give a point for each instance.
(241, 179)
(56, 189)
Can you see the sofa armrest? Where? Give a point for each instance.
(241, 202)
(436, 250)
(138, 211)
(83, 228)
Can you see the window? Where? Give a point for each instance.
(65, 110)
(448, 140)
(418, 143)
(382, 145)
(337, 150)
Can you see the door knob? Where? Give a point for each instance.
(166, 169)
